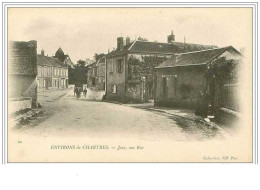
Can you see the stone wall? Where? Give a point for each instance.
(23, 86)
(116, 78)
(18, 104)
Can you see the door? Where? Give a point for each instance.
(164, 86)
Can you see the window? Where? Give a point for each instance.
(114, 88)
(119, 66)
(110, 67)
(39, 71)
(38, 82)
(45, 71)
(44, 83)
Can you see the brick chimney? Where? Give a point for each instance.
(120, 43)
(127, 40)
(42, 52)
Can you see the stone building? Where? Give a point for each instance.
(22, 71)
(92, 78)
(52, 73)
(101, 67)
(130, 69)
(181, 79)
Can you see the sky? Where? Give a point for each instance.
(82, 32)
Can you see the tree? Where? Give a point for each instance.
(221, 72)
(78, 74)
(89, 61)
(144, 68)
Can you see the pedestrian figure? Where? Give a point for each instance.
(203, 103)
(78, 92)
(85, 92)
(75, 89)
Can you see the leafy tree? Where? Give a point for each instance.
(144, 67)
(78, 74)
(223, 70)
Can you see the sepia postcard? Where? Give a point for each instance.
(130, 84)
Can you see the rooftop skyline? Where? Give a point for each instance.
(82, 32)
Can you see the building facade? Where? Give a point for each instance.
(101, 72)
(183, 78)
(92, 78)
(130, 69)
(22, 71)
(52, 73)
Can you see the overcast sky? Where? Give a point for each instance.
(81, 32)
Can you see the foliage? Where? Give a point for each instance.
(223, 70)
(144, 67)
(78, 74)
(89, 61)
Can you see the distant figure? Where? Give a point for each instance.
(75, 89)
(78, 92)
(85, 92)
(203, 103)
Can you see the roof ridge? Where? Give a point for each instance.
(203, 50)
(192, 44)
(152, 42)
(131, 45)
(175, 42)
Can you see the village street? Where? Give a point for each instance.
(65, 115)
(68, 122)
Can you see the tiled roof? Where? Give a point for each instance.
(196, 58)
(119, 52)
(68, 61)
(49, 61)
(160, 48)
(23, 58)
(167, 48)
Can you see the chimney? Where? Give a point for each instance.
(127, 40)
(120, 43)
(171, 38)
(42, 52)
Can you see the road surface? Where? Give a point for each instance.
(67, 116)
(132, 134)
